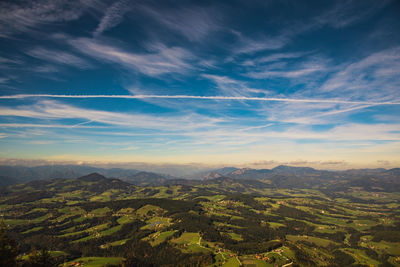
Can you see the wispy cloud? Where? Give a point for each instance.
(55, 110)
(247, 45)
(274, 57)
(113, 16)
(35, 125)
(129, 148)
(24, 16)
(345, 13)
(193, 22)
(3, 80)
(59, 57)
(159, 59)
(339, 15)
(228, 86)
(286, 74)
(373, 77)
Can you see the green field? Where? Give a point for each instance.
(96, 261)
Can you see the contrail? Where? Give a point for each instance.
(274, 99)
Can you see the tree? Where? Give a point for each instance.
(8, 247)
(40, 258)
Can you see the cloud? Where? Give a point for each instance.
(33, 125)
(247, 45)
(286, 74)
(28, 15)
(339, 15)
(228, 86)
(55, 110)
(193, 22)
(57, 56)
(348, 12)
(275, 57)
(159, 59)
(4, 80)
(281, 65)
(112, 17)
(129, 148)
(373, 77)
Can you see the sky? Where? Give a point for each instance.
(245, 83)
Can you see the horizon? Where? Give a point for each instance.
(186, 84)
(169, 168)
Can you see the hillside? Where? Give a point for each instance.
(221, 221)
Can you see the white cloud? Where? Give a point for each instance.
(229, 86)
(157, 61)
(373, 77)
(300, 68)
(275, 57)
(113, 16)
(193, 22)
(57, 56)
(25, 16)
(55, 110)
(247, 45)
(35, 125)
(129, 148)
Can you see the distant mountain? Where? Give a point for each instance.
(18, 174)
(285, 170)
(93, 177)
(247, 173)
(212, 175)
(226, 170)
(147, 178)
(304, 177)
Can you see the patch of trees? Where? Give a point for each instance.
(244, 248)
(143, 254)
(386, 233)
(8, 248)
(342, 259)
(302, 256)
(338, 237)
(29, 197)
(389, 236)
(191, 222)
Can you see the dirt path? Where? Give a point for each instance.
(286, 265)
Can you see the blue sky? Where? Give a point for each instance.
(249, 83)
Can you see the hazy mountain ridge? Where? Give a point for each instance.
(280, 177)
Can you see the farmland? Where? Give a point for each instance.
(100, 221)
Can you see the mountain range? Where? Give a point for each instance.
(279, 177)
